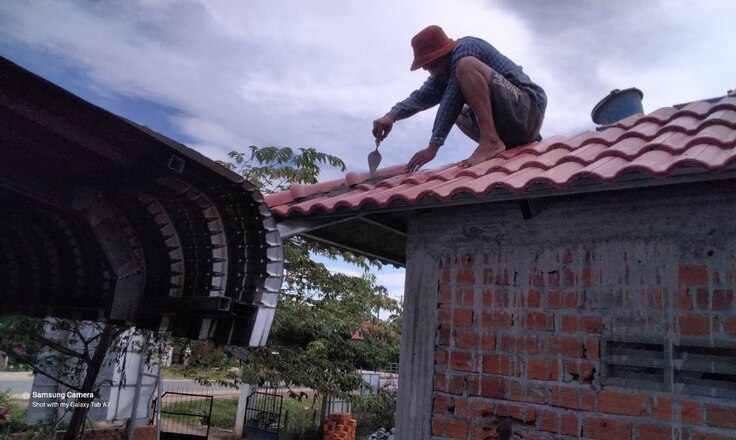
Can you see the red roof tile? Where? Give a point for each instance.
(699, 137)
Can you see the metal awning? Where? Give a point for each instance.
(104, 219)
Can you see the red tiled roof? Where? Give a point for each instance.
(699, 137)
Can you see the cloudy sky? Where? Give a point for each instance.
(223, 75)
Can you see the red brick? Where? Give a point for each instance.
(533, 299)
(694, 325)
(693, 434)
(465, 339)
(462, 317)
(487, 275)
(684, 299)
(449, 383)
(539, 321)
(701, 298)
(592, 349)
(572, 397)
(498, 364)
(591, 324)
(444, 335)
(653, 432)
(569, 323)
(440, 357)
(465, 275)
(445, 272)
(444, 314)
(568, 277)
(462, 408)
(488, 341)
(554, 300)
(722, 299)
(444, 404)
(496, 319)
(591, 277)
(543, 369)
(565, 346)
(461, 361)
(522, 412)
(584, 371)
(693, 274)
(536, 278)
(662, 408)
(606, 429)
(487, 387)
(691, 412)
(573, 300)
(553, 279)
(731, 325)
(450, 428)
(440, 381)
(628, 404)
(526, 392)
(558, 422)
(503, 278)
(481, 409)
(519, 344)
(496, 298)
(445, 295)
(721, 416)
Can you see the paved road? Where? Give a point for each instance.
(21, 383)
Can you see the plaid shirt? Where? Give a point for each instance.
(448, 94)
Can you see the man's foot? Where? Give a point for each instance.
(483, 153)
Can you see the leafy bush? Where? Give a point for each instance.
(301, 419)
(375, 411)
(15, 413)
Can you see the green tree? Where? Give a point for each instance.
(72, 353)
(319, 311)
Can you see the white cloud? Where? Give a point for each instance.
(317, 73)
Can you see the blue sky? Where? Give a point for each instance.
(223, 75)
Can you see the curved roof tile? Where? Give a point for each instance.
(700, 135)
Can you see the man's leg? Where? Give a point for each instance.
(468, 125)
(474, 78)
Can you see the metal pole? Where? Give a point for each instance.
(159, 384)
(136, 397)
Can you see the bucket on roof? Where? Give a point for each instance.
(618, 105)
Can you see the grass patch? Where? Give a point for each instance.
(222, 416)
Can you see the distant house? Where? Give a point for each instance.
(582, 286)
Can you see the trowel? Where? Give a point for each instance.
(374, 158)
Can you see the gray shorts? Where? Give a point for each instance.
(516, 114)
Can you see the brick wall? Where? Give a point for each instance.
(587, 324)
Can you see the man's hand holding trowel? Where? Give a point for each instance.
(381, 128)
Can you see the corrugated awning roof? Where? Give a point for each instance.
(105, 219)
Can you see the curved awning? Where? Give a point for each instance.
(105, 219)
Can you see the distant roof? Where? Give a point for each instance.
(684, 143)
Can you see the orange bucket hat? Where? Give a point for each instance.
(429, 44)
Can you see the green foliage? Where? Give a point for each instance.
(12, 415)
(375, 411)
(205, 363)
(222, 416)
(273, 169)
(301, 419)
(310, 342)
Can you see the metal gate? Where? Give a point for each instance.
(185, 416)
(263, 416)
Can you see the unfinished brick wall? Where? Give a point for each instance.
(618, 336)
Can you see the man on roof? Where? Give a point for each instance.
(486, 94)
